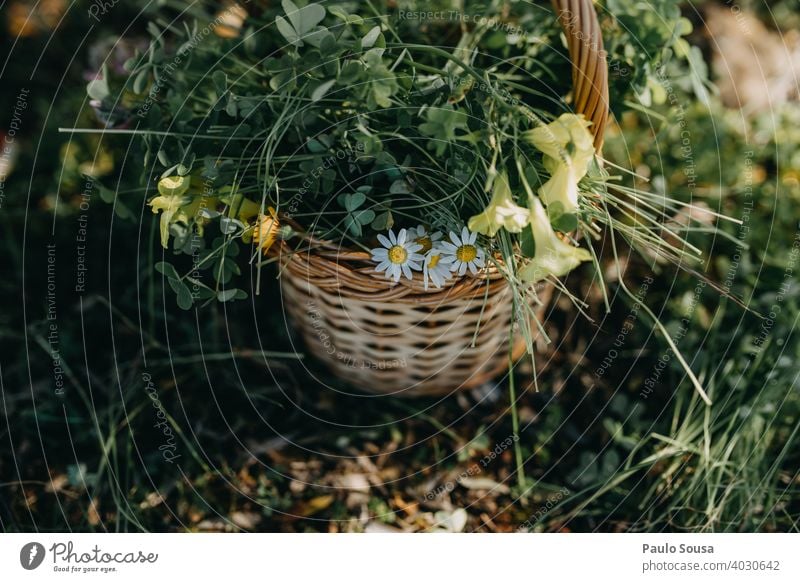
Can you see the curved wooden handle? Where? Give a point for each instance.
(589, 63)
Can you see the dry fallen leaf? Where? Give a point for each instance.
(314, 505)
(354, 482)
(484, 483)
(450, 521)
(245, 519)
(153, 499)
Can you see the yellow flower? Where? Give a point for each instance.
(265, 230)
(568, 148)
(245, 208)
(502, 212)
(553, 256)
(239, 206)
(169, 206)
(174, 185)
(176, 204)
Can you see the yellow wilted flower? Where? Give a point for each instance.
(501, 212)
(176, 205)
(568, 148)
(265, 230)
(169, 206)
(553, 255)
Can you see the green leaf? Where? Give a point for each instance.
(130, 64)
(369, 39)
(287, 31)
(153, 29)
(352, 225)
(220, 80)
(140, 82)
(185, 299)
(301, 21)
(364, 216)
(339, 12)
(204, 292)
(327, 44)
(383, 221)
(353, 201)
(226, 295)
(322, 89)
(167, 270)
(176, 284)
(98, 89)
(230, 107)
(526, 243)
(566, 222)
(351, 71)
(399, 187)
(441, 125)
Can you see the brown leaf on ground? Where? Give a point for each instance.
(314, 505)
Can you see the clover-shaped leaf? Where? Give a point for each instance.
(301, 21)
(356, 220)
(352, 201)
(441, 125)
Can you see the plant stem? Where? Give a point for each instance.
(512, 394)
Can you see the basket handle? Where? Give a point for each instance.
(589, 65)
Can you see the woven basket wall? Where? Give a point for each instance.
(399, 338)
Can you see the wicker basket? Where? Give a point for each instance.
(399, 338)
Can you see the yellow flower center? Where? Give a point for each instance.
(466, 253)
(398, 255)
(434, 261)
(426, 242)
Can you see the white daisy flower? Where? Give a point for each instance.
(462, 253)
(398, 256)
(422, 236)
(434, 270)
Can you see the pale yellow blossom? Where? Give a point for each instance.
(169, 206)
(174, 185)
(568, 148)
(502, 211)
(553, 256)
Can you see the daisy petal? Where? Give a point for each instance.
(384, 241)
